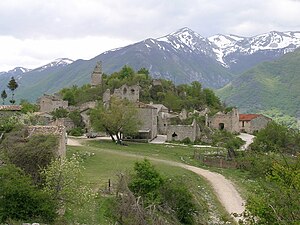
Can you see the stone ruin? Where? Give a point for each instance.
(49, 103)
(96, 77)
(58, 131)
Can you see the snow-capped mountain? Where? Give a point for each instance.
(56, 63)
(188, 41)
(182, 56)
(230, 49)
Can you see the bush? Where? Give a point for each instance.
(177, 196)
(77, 131)
(277, 138)
(187, 141)
(146, 181)
(30, 154)
(21, 201)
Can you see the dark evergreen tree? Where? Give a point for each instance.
(12, 85)
(3, 96)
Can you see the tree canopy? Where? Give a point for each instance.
(119, 117)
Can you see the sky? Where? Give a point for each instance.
(35, 32)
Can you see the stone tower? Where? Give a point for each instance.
(96, 77)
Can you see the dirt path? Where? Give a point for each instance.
(224, 189)
(248, 138)
(73, 142)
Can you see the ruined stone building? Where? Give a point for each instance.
(251, 123)
(96, 77)
(49, 103)
(180, 132)
(131, 93)
(147, 115)
(9, 110)
(225, 121)
(163, 118)
(58, 131)
(235, 122)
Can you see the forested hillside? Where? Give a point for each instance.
(271, 87)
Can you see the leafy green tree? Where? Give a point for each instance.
(28, 107)
(126, 72)
(146, 181)
(76, 118)
(143, 71)
(119, 117)
(12, 85)
(63, 182)
(172, 101)
(21, 201)
(60, 113)
(180, 199)
(277, 138)
(30, 154)
(3, 96)
(8, 123)
(277, 201)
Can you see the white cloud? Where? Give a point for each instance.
(31, 53)
(33, 32)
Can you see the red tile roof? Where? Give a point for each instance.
(248, 117)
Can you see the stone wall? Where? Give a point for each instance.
(49, 103)
(132, 93)
(147, 115)
(9, 110)
(180, 132)
(225, 121)
(255, 124)
(259, 123)
(58, 131)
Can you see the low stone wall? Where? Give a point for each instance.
(59, 131)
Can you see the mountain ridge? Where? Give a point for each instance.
(181, 56)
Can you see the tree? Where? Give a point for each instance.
(277, 138)
(12, 85)
(120, 117)
(30, 154)
(63, 181)
(126, 72)
(144, 71)
(277, 201)
(21, 201)
(146, 181)
(59, 113)
(27, 107)
(3, 96)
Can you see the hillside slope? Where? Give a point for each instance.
(270, 85)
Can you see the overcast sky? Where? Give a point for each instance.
(35, 32)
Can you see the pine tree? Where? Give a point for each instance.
(3, 96)
(12, 85)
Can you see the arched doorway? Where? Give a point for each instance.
(221, 126)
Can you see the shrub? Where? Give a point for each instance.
(146, 181)
(30, 154)
(21, 201)
(77, 131)
(177, 196)
(187, 141)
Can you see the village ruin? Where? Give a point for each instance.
(155, 118)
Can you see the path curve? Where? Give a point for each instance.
(224, 188)
(248, 138)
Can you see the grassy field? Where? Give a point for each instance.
(104, 161)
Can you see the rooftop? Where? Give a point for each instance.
(248, 117)
(10, 107)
